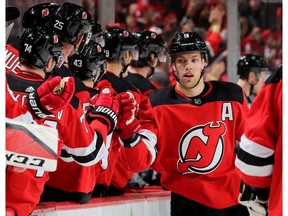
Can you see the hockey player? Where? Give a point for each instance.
(260, 154)
(120, 48)
(151, 51)
(190, 135)
(72, 22)
(84, 142)
(72, 181)
(76, 22)
(37, 15)
(40, 51)
(252, 71)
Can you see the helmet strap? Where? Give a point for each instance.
(251, 89)
(192, 86)
(152, 71)
(124, 68)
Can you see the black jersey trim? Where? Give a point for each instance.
(87, 158)
(19, 84)
(140, 82)
(220, 91)
(275, 77)
(118, 84)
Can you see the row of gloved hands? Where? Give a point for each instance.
(118, 111)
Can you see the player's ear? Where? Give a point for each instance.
(173, 67)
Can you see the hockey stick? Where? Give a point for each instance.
(31, 146)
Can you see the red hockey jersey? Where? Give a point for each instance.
(84, 144)
(260, 155)
(105, 176)
(29, 183)
(12, 62)
(191, 142)
(76, 173)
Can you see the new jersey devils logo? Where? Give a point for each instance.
(45, 12)
(201, 148)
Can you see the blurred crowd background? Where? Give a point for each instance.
(260, 26)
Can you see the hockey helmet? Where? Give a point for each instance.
(251, 62)
(148, 42)
(90, 63)
(70, 21)
(118, 41)
(96, 34)
(38, 15)
(188, 42)
(38, 45)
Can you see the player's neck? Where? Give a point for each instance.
(33, 70)
(246, 87)
(115, 67)
(89, 83)
(68, 50)
(191, 92)
(141, 71)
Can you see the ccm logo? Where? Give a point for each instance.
(21, 159)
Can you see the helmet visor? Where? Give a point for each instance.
(58, 55)
(162, 56)
(135, 54)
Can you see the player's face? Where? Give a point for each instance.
(188, 68)
(51, 64)
(263, 76)
(153, 60)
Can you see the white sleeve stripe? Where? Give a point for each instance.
(87, 152)
(135, 142)
(83, 151)
(150, 142)
(254, 148)
(260, 171)
(101, 153)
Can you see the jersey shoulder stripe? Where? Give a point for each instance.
(18, 84)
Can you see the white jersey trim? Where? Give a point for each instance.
(250, 170)
(150, 142)
(254, 148)
(84, 151)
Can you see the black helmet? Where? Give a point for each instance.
(117, 41)
(187, 42)
(38, 45)
(38, 15)
(90, 61)
(96, 34)
(251, 62)
(148, 42)
(70, 21)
